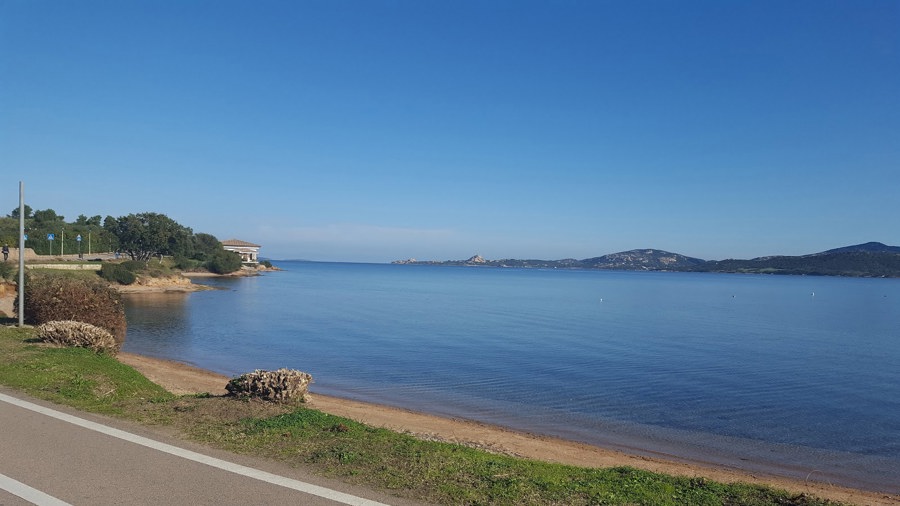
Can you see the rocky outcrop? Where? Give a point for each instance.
(175, 283)
(477, 259)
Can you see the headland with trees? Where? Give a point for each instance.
(138, 237)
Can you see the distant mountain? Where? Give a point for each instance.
(634, 260)
(643, 260)
(869, 247)
(872, 259)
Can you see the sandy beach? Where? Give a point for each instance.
(181, 378)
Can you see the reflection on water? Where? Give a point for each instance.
(158, 319)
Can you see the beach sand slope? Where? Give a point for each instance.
(183, 379)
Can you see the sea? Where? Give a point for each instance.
(797, 376)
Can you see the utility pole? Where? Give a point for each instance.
(21, 287)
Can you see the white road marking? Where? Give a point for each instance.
(291, 483)
(32, 495)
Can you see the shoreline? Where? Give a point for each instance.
(183, 379)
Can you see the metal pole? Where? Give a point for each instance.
(21, 254)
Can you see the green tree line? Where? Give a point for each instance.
(39, 224)
(140, 237)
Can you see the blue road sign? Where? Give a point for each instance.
(25, 236)
(50, 237)
(78, 238)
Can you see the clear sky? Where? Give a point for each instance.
(376, 130)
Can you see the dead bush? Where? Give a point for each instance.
(283, 385)
(80, 334)
(57, 298)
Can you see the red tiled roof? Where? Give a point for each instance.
(240, 244)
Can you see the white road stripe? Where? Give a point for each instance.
(32, 495)
(301, 486)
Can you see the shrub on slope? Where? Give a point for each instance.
(55, 297)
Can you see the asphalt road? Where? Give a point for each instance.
(51, 455)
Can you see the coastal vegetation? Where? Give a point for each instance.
(428, 471)
(53, 297)
(146, 235)
(79, 334)
(39, 224)
(120, 273)
(282, 385)
(140, 236)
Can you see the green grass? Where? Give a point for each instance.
(428, 471)
(76, 273)
(74, 376)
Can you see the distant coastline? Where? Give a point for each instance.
(872, 259)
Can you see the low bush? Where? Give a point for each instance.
(117, 273)
(80, 334)
(8, 270)
(283, 385)
(186, 264)
(50, 297)
(134, 265)
(224, 262)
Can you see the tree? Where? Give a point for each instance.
(15, 212)
(47, 217)
(204, 246)
(93, 221)
(224, 262)
(145, 235)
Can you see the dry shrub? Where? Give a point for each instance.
(283, 385)
(83, 335)
(56, 298)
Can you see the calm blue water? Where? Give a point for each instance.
(795, 375)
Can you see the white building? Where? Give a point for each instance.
(249, 252)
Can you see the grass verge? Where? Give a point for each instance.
(432, 472)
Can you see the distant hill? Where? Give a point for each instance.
(643, 260)
(869, 247)
(871, 259)
(634, 260)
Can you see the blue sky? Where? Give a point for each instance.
(380, 130)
